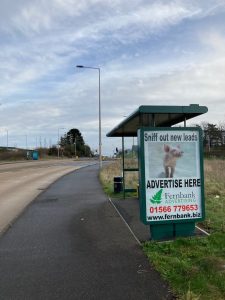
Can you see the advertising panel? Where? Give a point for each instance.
(171, 175)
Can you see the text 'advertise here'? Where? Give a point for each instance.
(171, 174)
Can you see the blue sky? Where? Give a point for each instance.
(149, 52)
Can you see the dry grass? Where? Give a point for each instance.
(131, 177)
(108, 172)
(214, 177)
(214, 188)
(199, 273)
(114, 169)
(194, 267)
(214, 195)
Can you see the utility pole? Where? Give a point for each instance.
(75, 147)
(99, 112)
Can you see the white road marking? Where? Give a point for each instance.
(135, 237)
(205, 232)
(139, 243)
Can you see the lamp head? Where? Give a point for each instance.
(79, 66)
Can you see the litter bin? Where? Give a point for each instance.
(118, 184)
(35, 155)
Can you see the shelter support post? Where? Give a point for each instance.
(125, 170)
(123, 164)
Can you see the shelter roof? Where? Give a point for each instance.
(156, 116)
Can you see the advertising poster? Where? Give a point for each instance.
(173, 181)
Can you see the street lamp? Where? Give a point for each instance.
(26, 140)
(58, 139)
(99, 110)
(7, 138)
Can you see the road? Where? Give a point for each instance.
(70, 243)
(21, 182)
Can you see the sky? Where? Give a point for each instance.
(149, 53)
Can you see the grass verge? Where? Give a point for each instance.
(194, 267)
(114, 169)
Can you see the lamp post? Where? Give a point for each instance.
(75, 147)
(26, 140)
(7, 138)
(99, 110)
(58, 139)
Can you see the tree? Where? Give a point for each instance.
(74, 145)
(53, 150)
(212, 135)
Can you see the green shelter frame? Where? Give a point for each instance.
(152, 116)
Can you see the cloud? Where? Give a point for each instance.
(150, 52)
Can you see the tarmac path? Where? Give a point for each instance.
(70, 243)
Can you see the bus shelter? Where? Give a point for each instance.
(159, 118)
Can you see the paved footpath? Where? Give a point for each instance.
(70, 243)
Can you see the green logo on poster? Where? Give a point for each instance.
(157, 198)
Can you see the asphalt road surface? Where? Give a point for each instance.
(71, 244)
(21, 182)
